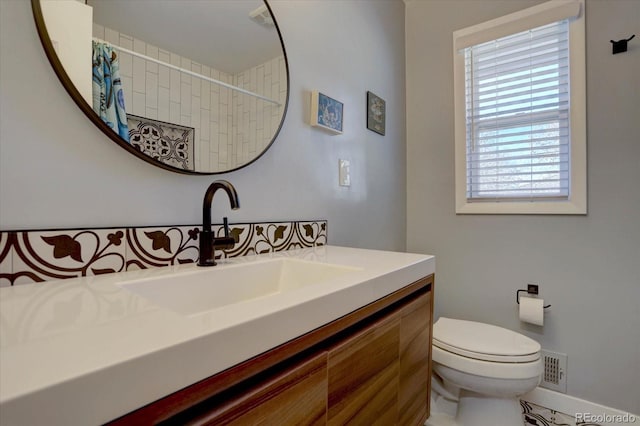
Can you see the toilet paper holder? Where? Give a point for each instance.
(531, 289)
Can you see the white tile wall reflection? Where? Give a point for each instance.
(224, 140)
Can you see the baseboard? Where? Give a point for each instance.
(570, 405)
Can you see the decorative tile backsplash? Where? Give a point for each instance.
(34, 256)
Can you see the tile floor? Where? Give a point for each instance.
(534, 415)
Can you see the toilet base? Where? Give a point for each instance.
(474, 409)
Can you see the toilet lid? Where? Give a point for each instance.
(483, 341)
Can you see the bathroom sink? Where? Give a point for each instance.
(205, 289)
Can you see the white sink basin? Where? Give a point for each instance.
(202, 290)
(116, 328)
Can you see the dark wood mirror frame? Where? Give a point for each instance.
(95, 119)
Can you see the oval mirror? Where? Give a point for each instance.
(192, 86)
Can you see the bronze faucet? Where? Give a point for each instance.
(208, 242)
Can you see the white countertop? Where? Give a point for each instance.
(86, 351)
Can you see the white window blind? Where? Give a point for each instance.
(517, 116)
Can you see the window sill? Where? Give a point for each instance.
(522, 207)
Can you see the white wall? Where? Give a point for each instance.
(69, 27)
(586, 266)
(57, 170)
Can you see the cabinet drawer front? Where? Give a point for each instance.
(279, 401)
(363, 376)
(415, 372)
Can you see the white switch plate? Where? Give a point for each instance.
(344, 174)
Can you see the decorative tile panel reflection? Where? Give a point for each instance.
(34, 256)
(168, 143)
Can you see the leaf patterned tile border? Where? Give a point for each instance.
(155, 247)
(50, 255)
(36, 256)
(6, 259)
(272, 237)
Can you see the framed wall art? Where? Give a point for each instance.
(326, 112)
(376, 113)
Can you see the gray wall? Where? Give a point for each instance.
(587, 266)
(57, 170)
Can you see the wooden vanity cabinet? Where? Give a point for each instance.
(363, 376)
(295, 396)
(370, 367)
(415, 361)
(381, 374)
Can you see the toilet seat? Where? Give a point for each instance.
(486, 357)
(484, 342)
(490, 369)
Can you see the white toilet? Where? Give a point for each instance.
(479, 371)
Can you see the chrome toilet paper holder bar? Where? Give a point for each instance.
(531, 289)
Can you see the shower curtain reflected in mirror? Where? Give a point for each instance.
(108, 95)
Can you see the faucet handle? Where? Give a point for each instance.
(225, 222)
(225, 242)
(227, 233)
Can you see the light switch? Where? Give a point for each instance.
(344, 174)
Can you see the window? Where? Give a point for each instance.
(520, 113)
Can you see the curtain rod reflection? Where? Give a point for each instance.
(186, 71)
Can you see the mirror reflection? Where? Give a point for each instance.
(198, 86)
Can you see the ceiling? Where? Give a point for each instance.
(217, 33)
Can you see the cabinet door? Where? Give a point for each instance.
(298, 396)
(363, 376)
(415, 371)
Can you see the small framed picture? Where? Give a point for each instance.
(326, 112)
(376, 114)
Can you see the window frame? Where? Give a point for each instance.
(533, 17)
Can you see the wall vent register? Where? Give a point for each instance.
(554, 376)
